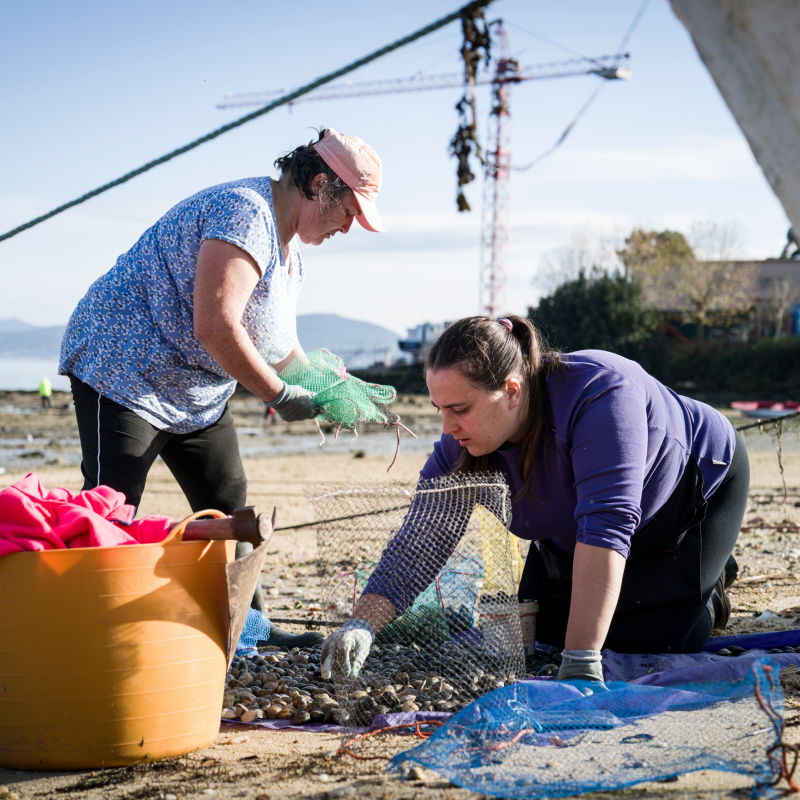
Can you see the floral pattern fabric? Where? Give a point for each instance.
(131, 337)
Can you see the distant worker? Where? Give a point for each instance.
(207, 297)
(632, 495)
(46, 392)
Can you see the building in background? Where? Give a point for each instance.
(419, 340)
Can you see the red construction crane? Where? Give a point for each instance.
(497, 158)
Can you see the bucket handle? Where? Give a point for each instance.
(176, 534)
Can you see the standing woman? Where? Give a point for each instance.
(633, 497)
(207, 297)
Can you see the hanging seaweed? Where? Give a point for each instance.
(477, 46)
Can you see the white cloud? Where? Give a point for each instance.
(693, 158)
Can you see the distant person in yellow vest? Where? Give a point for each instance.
(45, 392)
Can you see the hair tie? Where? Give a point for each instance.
(506, 323)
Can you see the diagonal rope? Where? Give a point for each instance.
(287, 98)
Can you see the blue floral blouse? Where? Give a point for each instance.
(132, 338)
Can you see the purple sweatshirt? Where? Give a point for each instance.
(617, 445)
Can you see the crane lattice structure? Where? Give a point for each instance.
(497, 159)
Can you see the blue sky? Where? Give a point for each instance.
(91, 90)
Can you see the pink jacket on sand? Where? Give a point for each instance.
(33, 520)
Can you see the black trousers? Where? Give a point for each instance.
(118, 448)
(674, 563)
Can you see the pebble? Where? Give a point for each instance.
(735, 650)
(288, 685)
(723, 652)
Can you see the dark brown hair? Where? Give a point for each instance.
(487, 353)
(303, 164)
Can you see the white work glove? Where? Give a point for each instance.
(295, 403)
(584, 667)
(345, 651)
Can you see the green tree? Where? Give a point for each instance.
(598, 311)
(647, 255)
(694, 276)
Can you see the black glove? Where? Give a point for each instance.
(295, 403)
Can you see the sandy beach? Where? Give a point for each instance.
(255, 763)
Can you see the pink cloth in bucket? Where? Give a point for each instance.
(33, 520)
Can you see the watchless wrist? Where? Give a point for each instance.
(278, 397)
(355, 624)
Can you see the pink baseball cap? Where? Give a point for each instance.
(358, 165)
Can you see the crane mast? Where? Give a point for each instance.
(496, 185)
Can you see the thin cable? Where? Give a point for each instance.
(762, 423)
(585, 107)
(342, 519)
(550, 41)
(434, 26)
(636, 20)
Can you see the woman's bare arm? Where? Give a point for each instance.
(225, 280)
(596, 581)
(376, 610)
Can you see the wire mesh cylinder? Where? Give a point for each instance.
(450, 554)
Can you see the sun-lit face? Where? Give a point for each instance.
(479, 420)
(315, 228)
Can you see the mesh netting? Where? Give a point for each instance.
(460, 636)
(347, 401)
(545, 739)
(256, 629)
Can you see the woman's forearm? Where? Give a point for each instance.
(596, 581)
(232, 349)
(376, 610)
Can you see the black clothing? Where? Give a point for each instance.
(206, 463)
(673, 567)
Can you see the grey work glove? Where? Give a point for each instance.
(584, 667)
(345, 651)
(295, 403)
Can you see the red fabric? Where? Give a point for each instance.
(33, 520)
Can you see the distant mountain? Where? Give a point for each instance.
(358, 343)
(32, 342)
(15, 326)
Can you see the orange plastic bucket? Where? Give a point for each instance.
(111, 655)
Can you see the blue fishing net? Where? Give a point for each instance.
(256, 629)
(538, 739)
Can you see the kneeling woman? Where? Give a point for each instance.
(633, 495)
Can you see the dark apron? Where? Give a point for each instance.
(663, 568)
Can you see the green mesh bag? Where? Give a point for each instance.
(347, 401)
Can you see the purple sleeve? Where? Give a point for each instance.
(609, 451)
(416, 553)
